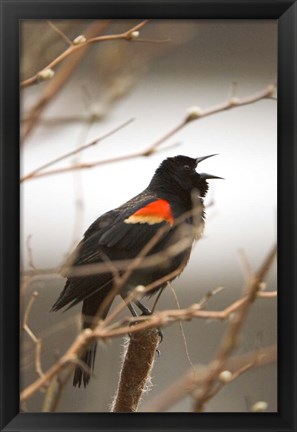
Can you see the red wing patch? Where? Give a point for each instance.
(153, 213)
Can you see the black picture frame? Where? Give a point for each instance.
(285, 12)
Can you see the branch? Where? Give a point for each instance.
(154, 321)
(104, 331)
(74, 152)
(57, 30)
(230, 339)
(37, 342)
(54, 392)
(128, 35)
(167, 317)
(185, 385)
(193, 114)
(55, 85)
(135, 373)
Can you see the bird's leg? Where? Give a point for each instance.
(132, 310)
(146, 311)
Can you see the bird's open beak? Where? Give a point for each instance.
(202, 158)
(206, 176)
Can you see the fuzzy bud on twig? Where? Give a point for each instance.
(233, 101)
(134, 35)
(193, 113)
(259, 406)
(271, 89)
(79, 40)
(225, 376)
(45, 74)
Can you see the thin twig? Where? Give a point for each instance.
(230, 338)
(245, 264)
(37, 341)
(76, 151)
(127, 35)
(30, 254)
(182, 328)
(57, 30)
(157, 320)
(193, 115)
(191, 380)
(236, 374)
(167, 317)
(60, 78)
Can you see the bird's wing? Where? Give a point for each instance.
(136, 223)
(127, 228)
(118, 234)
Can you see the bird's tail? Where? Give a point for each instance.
(83, 372)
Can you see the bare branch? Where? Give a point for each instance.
(32, 336)
(194, 114)
(61, 76)
(167, 317)
(230, 338)
(196, 378)
(127, 35)
(76, 151)
(54, 392)
(105, 329)
(157, 320)
(57, 30)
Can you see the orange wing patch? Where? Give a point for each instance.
(153, 213)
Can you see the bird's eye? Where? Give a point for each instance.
(187, 167)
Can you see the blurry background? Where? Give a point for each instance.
(154, 83)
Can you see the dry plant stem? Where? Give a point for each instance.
(60, 79)
(230, 338)
(76, 151)
(194, 379)
(135, 372)
(266, 93)
(74, 48)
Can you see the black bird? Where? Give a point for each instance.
(173, 200)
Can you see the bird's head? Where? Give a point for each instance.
(179, 174)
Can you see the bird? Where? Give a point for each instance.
(162, 215)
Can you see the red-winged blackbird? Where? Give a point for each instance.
(121, 234)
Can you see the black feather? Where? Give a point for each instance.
(110, 237)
